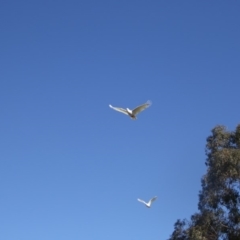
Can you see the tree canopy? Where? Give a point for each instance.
(218, 217)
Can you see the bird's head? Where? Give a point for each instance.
(129, 111)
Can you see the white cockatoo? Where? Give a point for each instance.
(132, 113)
(148, 204)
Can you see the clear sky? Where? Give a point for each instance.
(71, 167)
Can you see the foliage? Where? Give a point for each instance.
(219, 199)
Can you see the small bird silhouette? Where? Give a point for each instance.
(149, 203)
(132, 113)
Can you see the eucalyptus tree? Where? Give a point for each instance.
(218, 217)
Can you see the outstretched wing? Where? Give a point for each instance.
(122, 110)
(141, 107)
(152, 200)
(140, 200)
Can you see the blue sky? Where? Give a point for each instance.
(71, 167)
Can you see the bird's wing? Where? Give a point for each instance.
(122, 110)
(140, 200)
(152, 200)
(141, 107)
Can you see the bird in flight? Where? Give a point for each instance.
(132, 113)
(148, 204)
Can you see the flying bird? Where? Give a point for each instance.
(149, 203)
(132, 113)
